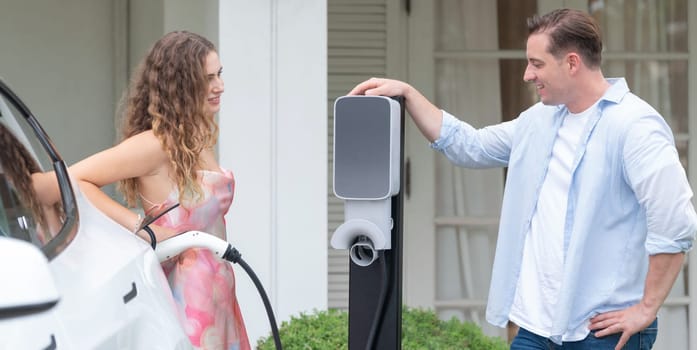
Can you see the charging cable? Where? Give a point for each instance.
(382, 302)
(224, 250)
(234, 256)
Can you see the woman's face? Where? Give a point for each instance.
(216, 86)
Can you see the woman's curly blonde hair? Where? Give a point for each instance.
(168, 95)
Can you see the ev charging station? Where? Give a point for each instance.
(368, 176)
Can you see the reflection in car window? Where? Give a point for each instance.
(22, 215)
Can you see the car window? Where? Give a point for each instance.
(24, 214)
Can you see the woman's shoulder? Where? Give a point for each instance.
(146, 137)
(142, 148)
(145, 142)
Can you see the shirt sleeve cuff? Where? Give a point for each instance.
(448, 128)
(656, 244)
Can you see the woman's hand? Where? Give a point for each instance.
(161, 233)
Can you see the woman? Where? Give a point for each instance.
(166, 157)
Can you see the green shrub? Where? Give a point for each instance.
(421, 329)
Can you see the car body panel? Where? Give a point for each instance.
(120, 264)
(111, 290)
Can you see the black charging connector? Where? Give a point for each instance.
(234, 256)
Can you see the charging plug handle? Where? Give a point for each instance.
(232, 254)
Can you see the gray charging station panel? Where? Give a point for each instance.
(362, 148)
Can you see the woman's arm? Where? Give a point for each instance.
(138, 156)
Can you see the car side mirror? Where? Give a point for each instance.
(28, 286)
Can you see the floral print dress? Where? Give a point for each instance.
(202, 284)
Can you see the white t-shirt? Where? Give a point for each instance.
(542, 267)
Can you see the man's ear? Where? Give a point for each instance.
(573, 61)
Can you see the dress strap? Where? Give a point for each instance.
(151, 205)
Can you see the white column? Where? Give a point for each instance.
(273, 136)
(419, 267)
(692, 166)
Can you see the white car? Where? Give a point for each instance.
(71, 278)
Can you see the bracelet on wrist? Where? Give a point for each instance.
(139, 222)
(151, 233)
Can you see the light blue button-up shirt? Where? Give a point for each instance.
(628, 198)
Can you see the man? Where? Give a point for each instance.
(596, 215)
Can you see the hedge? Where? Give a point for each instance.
(421, 329)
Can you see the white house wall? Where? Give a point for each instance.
(273, 136)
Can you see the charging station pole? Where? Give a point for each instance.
(364, 298)
(375, 285)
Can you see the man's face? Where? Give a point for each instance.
(548, 73)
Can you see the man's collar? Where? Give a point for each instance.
(617, 90)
